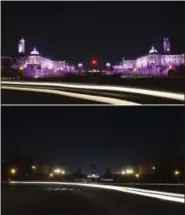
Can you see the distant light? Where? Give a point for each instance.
(33, 167)
(94, 62)
(137, 175)
(129, 171)
(153, 167)
(176, 172)
(57, 170)
(123, 172)
(63, 172)
(21, 68)
(51, 175)
(13, 171)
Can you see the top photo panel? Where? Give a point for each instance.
(92, 53)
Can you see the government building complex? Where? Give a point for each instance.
(152, 64)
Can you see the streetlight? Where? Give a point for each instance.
(129, 171)
(176, 172)
(21, 68)
(137, 175)
(63, 172)
(123, 172)
(13, 171)
(57, 171)
(33, 167)
(51, 175)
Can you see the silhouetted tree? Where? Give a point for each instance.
(171, 73)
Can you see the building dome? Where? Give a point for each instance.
(107, 64)
(34, 52)
(153, 50)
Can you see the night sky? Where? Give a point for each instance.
(80, 136)
(80, 31)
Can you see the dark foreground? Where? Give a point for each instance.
(20, 97)
(51, 200)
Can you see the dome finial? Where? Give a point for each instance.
(34, 52)
(153, 50)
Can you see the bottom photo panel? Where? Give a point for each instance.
(92, 160)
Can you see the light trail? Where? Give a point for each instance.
(153, 184)
(174, 197)
(107, 100)
(161, 94)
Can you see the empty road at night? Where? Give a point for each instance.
(68, 199)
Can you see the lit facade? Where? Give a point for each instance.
(21, 46)
(39, 66)
(153, 63)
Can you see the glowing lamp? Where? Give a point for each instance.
(13, 171)
(63, 172)
(51, 175)
(94, 62)
(129, 171)
(21, 68)
(33, 167)
(137, 175)
(176, 172)
(123, 172)
(57, 170)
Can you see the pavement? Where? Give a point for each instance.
(67, 199)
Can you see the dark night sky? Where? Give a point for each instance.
(78, 31)
(80, 136)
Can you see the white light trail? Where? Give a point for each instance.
(154, 184)
(175, 197)
(107, 100)
(161, 94)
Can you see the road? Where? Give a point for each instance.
(37, 93)
(68, 199)
(20, 97)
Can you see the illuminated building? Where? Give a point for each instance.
(166, 46)
(153, 63)
(38, 66)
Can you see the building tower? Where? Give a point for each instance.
(166, 46)
(21, 46)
